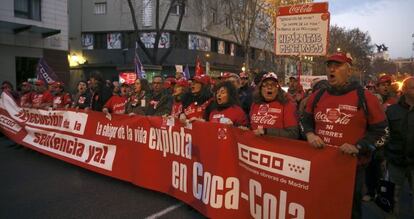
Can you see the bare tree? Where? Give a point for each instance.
(252, 20)
(242, 16)
(160, 28)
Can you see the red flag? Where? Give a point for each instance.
(198, 68)
(299, 70)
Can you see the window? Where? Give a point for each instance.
(179, 40)
(128, 40)
(100, 8)
(214, 15)
(214, 45)
(228, 23)
(25, 68)
(29, 9)
(176, 8)
(100, 41)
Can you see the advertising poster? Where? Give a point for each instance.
(221, 47)
(114, 41)
(149, 40)
(87, 41)
(197, 42)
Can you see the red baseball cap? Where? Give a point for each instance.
(182, 82)
(39, 82)
(58, 84)
(340, 57)
(204, 79)
(243, 75)
(384, 79)
(270, 75)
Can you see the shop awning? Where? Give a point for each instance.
(19, 28)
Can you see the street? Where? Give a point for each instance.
(34, 185)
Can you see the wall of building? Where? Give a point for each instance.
(8, 56)
(29, 43)
(54, 15)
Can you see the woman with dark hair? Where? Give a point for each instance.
(139, 100)
(197, 99)
(271, 112)
(180, 88)
(82, 98)
(8, 86)
(226, 107)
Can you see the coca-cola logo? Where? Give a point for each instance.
(263, 109)
(342, 119)
(264, 120)
(300, 9)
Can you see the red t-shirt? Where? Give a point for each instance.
(196, 110)
(38, 99)
(61, 100)
(176, 109)
(116, 104)
(273, 115)
(234, 113)
(26, 99)
(338, 120)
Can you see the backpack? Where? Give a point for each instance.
(362, 101)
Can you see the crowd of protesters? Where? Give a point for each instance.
(372, 123)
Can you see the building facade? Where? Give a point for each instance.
(102, 36)
(29, 30)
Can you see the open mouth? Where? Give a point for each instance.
(331, 76)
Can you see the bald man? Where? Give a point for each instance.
(399, 152)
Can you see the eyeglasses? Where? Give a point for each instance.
(244, 78)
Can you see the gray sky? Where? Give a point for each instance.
(387, 21)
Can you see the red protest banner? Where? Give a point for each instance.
(219, 170)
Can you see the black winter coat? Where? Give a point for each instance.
(400, 149)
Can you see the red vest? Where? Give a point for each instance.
(176, 109)
(234, 113)
(273, 115)
(38, 99)
(338, 120)
(196, 110)
(61, 100)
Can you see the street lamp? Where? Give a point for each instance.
(338, 49)
(75, 60)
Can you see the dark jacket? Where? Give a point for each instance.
(400, 148)
(246, 98)
(99, 97)
(159, 104)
